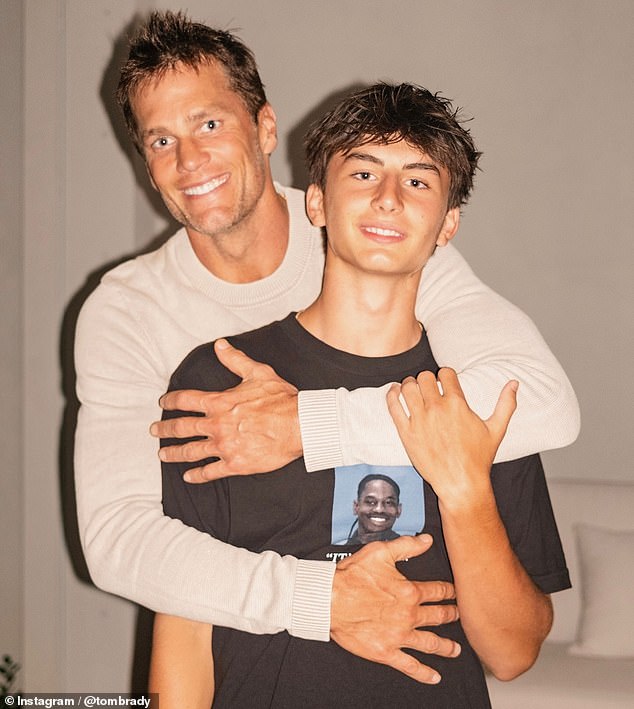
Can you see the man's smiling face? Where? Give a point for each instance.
(377, 508)
(204, 152)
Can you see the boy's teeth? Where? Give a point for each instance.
(383, 232)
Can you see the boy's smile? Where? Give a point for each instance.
(384, 207)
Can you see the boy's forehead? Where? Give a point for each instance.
(381, 150)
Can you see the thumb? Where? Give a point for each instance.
(233, 359)
(504, 409)
(406, 547)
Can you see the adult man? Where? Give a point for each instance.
(198, 114)
(390, 167)
(376, 507)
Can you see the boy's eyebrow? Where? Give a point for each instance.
(366, 157)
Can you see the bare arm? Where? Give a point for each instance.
(505, 616)
(182, 668)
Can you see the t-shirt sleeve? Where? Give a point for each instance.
(202, 506)
(523, 500)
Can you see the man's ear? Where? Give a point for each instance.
(267, 129)
(449, 227)
(315, 205)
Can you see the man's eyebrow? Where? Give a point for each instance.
(192, 118)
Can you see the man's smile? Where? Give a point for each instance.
(206, 187)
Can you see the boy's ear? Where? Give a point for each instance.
(449, 227)
(315, 205)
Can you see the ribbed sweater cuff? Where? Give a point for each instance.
(319, 428)
(311, 600)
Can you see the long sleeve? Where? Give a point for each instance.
(488, 341)
(131, 548)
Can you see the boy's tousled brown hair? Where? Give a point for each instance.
(386, 113)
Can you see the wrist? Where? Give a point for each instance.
(475, 499)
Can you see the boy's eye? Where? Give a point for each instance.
(363, 175)
(418, 184)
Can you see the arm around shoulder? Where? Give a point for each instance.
(488, 341)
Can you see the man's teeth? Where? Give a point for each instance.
(383, 232)
(206, 188)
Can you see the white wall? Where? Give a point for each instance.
(549, 85)
(11, 318)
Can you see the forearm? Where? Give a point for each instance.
(505, 616)
(181, 669)
(133, 550)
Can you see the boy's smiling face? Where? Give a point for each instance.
(384, 208)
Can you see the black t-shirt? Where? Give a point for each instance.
(310, 515)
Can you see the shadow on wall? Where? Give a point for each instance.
(295, 143)
(143, 633)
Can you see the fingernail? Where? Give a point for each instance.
(161, 454)
(222, 344)
(515, 385)
(457, 650)
(153, 428)
(435, 678)
(187, 477)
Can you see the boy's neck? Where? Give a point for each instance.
(365, 314)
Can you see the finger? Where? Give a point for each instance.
(188, 452)
(411, 396)
(406, 547)
(236, 361)
(450, 383)
(410, 666)
(504, 409)
(395, 407)
(211, 471)
(432, 644)
(436, 615)
(433, 591)
(428, 385)
(181, 427)
(187, 400)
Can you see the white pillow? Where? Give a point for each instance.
(606, 563)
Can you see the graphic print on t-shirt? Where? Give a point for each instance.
(376, 503)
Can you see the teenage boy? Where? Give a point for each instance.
(390, 167)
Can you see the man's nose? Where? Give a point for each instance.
(190, 156)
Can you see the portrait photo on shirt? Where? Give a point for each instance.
(376, 503)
